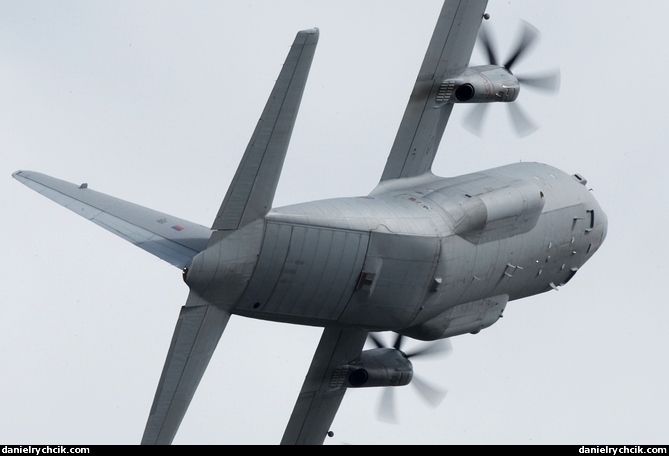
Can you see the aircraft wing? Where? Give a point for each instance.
(425, 118)
(169, 238)
(319, 398)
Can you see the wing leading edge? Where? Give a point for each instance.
(425, 119)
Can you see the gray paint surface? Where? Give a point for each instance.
(575, 303)
(258, 268)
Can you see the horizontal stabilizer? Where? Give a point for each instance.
(252, 189)
(196, 335)
(169, 238)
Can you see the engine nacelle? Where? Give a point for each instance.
(480, 84)
(373, 368)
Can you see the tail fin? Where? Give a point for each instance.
(169, 238)
(250, 194)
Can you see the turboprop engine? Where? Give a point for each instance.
(480, 84)
(373, 368)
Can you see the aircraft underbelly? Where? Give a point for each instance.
(304, 273)
(395, 278)
(397, 261)
(476, 281)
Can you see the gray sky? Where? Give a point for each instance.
(154, 102)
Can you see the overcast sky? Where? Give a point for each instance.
(154, 102)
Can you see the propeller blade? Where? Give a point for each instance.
(440, 347)
(431, 394)
(376, 341)
(387, 406)
(528, 38)
(549, 82)
(523, 125)
(474, 120)
(398, 342)
(487, 44)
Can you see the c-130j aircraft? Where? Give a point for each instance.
(423, 256)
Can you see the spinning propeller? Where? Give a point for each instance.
(432, 395)
(547, 82)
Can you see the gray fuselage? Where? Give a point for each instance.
(434, 258)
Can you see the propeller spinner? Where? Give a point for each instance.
(431, 394)
(546, 82)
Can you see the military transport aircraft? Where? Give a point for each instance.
(422, 256)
